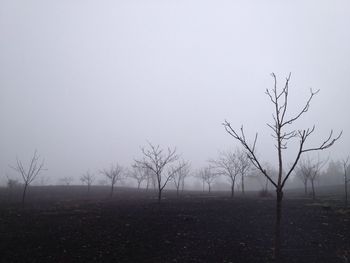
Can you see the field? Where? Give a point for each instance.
(63, 224)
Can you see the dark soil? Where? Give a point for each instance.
(196, 228)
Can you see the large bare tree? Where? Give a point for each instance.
(28, 175)
(156, 159)
(282, 133)
(228, 165)
(113, 175)
(180, 172)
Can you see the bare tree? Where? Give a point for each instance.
(88, 179)
(282, 135)
(207, 176)
(346, 180)
(244, 165)
(114, 174)
(198, 174)
(156, 159)
(309, 170)
(303, 172)
(11, 184)
(28, 175)
(140, 174)
(315, 173)
(102, 182)
(227, 164)
(67, 180)
(180, 172)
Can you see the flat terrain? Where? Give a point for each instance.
(133, 227)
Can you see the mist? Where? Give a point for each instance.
(88, 83)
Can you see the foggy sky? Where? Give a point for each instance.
(87, 83)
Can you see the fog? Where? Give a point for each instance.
(87, 83)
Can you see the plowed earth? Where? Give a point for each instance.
(190, 229)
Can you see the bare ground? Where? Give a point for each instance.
(133, 227)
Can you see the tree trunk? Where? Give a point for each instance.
(305, 188)
(277, 242)
(177, 192)
(209, 188)
(138, 184)
(24, 193)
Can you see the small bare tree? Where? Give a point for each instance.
(303, 173)
(228, 165)
(114, 174)
(346, 180)
(282, 135)
(156, 159)
(309, 170)
(207, 176)
(244, 165)
(67, 180)
(139, 173)
(180, 172)
(11, 184)
(315, 173)
(198, 174)
(28, 175)
(88, 179)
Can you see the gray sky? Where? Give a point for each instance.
(88, 82)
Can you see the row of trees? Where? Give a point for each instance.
(235, 166)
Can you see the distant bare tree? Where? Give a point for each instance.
(281, 121)
(152, 179)
(156, 159)
(88, 179)
(273, 172)
(67, 180)
(244, 165)
(11, 185)
(207, 176)
(227, 164)
(180, 172)
(303, 172)
(114, 174)
(198, 174)
(102, 182)
(140, 174)
(346, 180)
(28, 175)
(309, 170)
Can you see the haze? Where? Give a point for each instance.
(87, 83)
